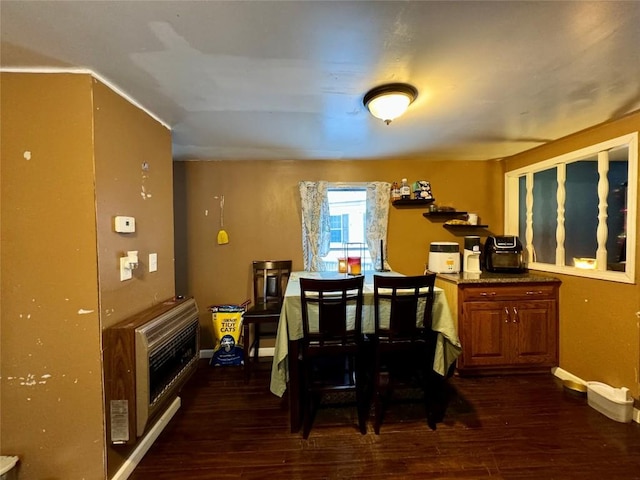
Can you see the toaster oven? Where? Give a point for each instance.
(504, 254)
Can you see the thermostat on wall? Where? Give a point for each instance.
(124, 224)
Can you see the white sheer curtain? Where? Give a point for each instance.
(316, 233)
(377, 219)
(316, 226)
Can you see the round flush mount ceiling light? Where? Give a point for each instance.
(388, 102)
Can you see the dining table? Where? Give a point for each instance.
(285, 372)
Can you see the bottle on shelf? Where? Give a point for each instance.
(405, 190)
(395, 191)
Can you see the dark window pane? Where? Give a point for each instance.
(617, 211)
(581, 210)
(545, 219)
(522, 209)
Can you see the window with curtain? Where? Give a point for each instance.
(576, 213)
(337, 216)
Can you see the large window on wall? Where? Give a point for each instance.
(576, 213)
(347, 210)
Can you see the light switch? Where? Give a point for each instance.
(153, 262)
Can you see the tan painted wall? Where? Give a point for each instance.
(51, 411)
(599, 332)
(60, 278)
(125, 138)
(262, 216)
(599, 324)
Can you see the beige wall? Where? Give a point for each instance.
(60, 281)
(262, 216)
(50, 326)
(599, 332)
(125, 138)
(599, 327)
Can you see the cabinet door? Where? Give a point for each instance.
(484, 334)
(535, 336)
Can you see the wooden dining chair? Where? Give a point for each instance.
(403, 343)
(270, 280)
(332, 344)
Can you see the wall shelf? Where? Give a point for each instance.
(412, 202)
(444, 213)
(464, 226)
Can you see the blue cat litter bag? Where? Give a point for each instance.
(227, 329)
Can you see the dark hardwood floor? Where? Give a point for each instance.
(512, 427)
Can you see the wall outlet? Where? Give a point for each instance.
(153, 262)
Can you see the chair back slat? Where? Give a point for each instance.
(270, 279)
(331, 310)
(403, 306)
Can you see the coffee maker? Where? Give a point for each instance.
(471, 255)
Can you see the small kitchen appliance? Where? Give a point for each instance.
(444, 257)
(471, 254)
(504, 254)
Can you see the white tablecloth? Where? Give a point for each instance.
(290, 327)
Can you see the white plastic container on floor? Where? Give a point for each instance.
(615, 403)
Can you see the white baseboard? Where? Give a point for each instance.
(264, 352)
(564, 375)
(143, 447)
(206, 353)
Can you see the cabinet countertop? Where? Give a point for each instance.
(466, 278)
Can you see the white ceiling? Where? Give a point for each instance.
(285, 79)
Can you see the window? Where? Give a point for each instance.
(356, 213)
(576, 213)
(339, 228)
(347, 210)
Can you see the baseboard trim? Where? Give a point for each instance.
(143, 447)
(263, 352)
(564, 375)
(206, 353)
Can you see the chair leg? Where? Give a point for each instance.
(247, 350)
(309, 409)
(377, 419)
(256, 342)
(308, 415)
(377, 393)
(363, 397)
(362, 405)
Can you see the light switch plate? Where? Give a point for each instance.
(153, 262)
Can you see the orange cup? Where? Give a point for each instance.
(355, 267)
(342, 265)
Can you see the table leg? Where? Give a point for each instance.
(294, 388)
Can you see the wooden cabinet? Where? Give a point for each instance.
(506, 329)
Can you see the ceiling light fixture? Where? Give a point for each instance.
(388, 102)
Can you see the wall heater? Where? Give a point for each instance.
(147, 359)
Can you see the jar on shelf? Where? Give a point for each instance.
(405, 190)
(395, 191)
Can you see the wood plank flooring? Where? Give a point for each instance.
(512, 427)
